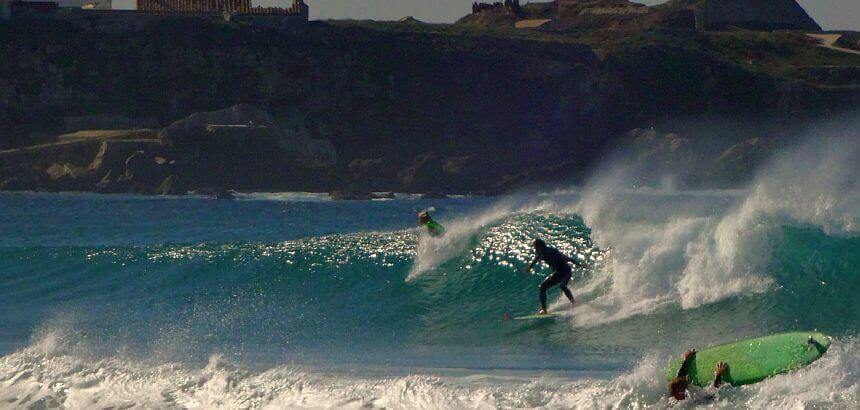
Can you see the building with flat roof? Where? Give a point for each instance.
(298, 8)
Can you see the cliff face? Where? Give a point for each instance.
(404, 107)
(375, 95)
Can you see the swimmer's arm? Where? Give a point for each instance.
(719, 372)
(685, 365)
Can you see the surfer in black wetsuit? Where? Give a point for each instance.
(678, 386)
(560, 277)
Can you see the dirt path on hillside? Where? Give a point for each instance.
(828, 41)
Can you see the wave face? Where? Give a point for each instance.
(277, 301)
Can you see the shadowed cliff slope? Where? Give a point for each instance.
(748, 14)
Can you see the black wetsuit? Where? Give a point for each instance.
(560, 277)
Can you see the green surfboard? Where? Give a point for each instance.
(753, 360)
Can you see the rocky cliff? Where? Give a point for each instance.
(375, 107)
(240, 147)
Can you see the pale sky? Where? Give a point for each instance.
(830, 14)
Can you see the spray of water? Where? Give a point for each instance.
(712, 245)
(434, 251)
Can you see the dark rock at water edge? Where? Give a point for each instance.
(350, 195)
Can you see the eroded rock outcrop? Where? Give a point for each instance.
(239, 147)
(83, 165)
(251, 128)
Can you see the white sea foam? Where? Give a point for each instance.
(284, 196)
(47, 375)
(671, 247)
